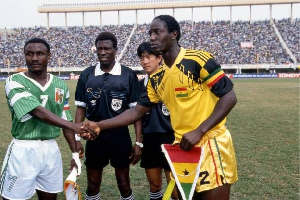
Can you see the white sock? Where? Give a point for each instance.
(156, 195)
(131, 197)
(95, 197)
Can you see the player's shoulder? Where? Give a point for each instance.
(198, 53)
(58, 81)
(126, 69)
(56, 78)
(88, 70)
(159, 72)
(128, 72)
(18, 77)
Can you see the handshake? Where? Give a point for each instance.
(87, 130)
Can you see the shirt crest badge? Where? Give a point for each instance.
(59, 95)
(164, 110)
(116, 104)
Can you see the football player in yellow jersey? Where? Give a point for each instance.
(199, 96)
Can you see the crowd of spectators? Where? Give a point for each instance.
(223, 40)
(74, 46)
(291, 35)
(70, 47)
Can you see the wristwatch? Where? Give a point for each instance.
(139, 144)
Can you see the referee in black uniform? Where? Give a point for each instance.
(104, 91)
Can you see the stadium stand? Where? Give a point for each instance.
(74, 46)
(291, 35)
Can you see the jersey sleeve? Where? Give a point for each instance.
(20, 99)
(66, 114)
(215, 78)
(141, 86)
(80, 91)
(134, 90)
(148, 97)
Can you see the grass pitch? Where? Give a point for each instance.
(265, 130)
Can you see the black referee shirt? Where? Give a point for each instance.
(158, 119)
(105, 95)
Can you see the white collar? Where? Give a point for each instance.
(116, 70)
(146, 80)
(43, 88)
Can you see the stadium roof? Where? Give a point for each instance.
(151, 4)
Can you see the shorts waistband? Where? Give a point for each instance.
(32, 142)
(210, 135)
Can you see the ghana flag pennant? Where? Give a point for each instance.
(71, 189)
(185, 166)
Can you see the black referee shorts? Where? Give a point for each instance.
(113, 147)
(152, 156)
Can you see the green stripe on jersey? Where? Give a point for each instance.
(181, 95)
(212, 74)
(22, 100)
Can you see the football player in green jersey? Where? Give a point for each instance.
(39, 106)
(199, 96)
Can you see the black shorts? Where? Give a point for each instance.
(152, 156)
(113, 147)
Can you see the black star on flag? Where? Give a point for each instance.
(185, 172)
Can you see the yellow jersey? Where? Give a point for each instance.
(190, 89)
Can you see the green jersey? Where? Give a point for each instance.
(25, 94)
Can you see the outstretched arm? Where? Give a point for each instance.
(79, 117)
(128, 117)
(221, 110)
(50, 118)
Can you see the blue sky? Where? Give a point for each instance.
(22, 13)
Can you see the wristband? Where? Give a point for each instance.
(75, 156)
(139, 144)
(77, 138)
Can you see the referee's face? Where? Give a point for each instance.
(160, 38)
(106, 53)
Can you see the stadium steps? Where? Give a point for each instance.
(127, 42)
(283, 43)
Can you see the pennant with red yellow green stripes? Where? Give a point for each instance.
(71, 188)
(185, 167)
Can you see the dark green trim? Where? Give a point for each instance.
(2, 179)
(181, 95)
(220, 159)
(212, 74)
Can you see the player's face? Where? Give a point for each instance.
(160, 39)
(150, 62)
(37, 57)
(106, 52)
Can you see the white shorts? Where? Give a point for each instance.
(31, 165)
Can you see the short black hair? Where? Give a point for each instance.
(171, 23)
(38, 40)
(146, 47)
(107, 36)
